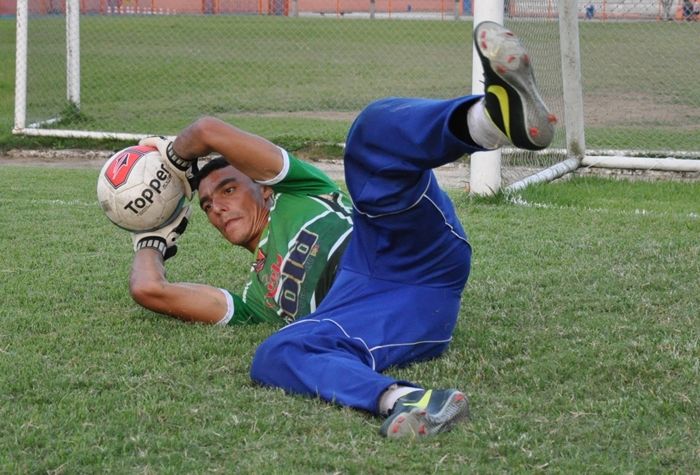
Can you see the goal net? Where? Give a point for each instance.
(294, 70)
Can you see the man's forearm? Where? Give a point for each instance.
(150, 288)
(253, 155)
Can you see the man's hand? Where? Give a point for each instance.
(185, 170)
(163, 239)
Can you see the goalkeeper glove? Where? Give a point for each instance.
(163, 239)
(185, 170)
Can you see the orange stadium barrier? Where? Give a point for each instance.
(261, 7)
(604, 9)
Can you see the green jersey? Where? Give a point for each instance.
(307, 231)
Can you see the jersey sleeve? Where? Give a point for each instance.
(300, 177)
(242, 312)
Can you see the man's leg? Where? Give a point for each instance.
(395, 142)
(511, 112)
(362, 327)
(407, 232)
(396, 298)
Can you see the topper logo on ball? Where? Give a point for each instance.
(140, 204)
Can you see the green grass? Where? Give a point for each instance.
(577, 344)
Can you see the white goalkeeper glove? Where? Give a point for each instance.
(163, 239)
(185, 170)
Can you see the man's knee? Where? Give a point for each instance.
(272, 358)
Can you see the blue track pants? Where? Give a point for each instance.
(396, 297)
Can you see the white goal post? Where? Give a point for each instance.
(486, 166)
(72, 78)
(573, 99)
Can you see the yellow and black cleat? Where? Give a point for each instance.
(422, 413)
(512, 100)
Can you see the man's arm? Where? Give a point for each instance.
(255, 156)
(150, 288)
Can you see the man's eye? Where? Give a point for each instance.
(230, 190)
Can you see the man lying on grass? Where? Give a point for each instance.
(354, 304)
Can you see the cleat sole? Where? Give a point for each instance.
(420, 423)
(511, 89)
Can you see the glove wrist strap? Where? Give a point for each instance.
(153, 242)
(177, 161)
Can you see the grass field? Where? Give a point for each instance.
(577, 344)
(578, 339)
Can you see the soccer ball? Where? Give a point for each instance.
(137, 191)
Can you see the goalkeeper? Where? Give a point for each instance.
(296, 224)
(396, 294)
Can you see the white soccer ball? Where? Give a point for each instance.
(137, 191)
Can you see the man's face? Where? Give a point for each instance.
(236, 206)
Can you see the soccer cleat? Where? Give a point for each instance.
(512, 100)
(422, 413)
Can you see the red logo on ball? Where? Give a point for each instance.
(122, 164)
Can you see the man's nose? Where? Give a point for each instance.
(218, 206)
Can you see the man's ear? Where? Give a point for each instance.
(267, 192)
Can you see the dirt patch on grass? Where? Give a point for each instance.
(453, 176)
(615, 110)
(56, 158)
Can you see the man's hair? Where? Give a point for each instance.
(211, 166)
